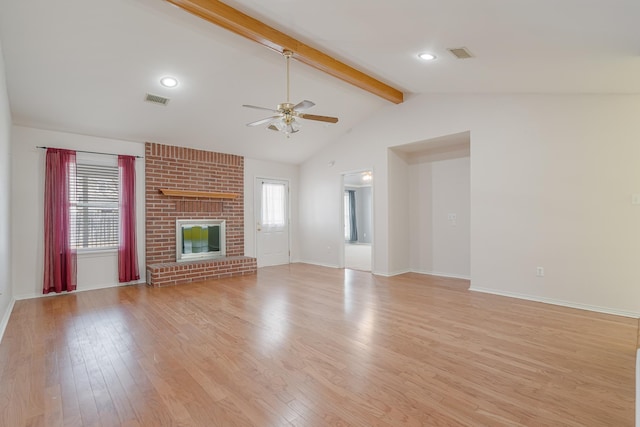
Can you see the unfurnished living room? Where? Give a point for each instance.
(338, 213)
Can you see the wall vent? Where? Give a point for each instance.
(156, 99)
(460, 52)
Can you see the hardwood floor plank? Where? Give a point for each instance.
(309, 346)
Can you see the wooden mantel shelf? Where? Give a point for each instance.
(204, 194)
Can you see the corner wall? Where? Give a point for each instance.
(398, 216)
(439, 187)
(6, 291)
(551, 183)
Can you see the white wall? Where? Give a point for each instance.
(398, 215)
(551, 184)
(27, 202)
(439, 185)
(264, 169)
(6, 291)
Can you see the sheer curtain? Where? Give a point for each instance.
(59, 189)
(353, 224)
(273, 204)
(127, 247)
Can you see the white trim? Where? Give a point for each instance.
(5, 318)
(605, 310)
(319, 264)
(427, 273)
(391, 274)
(435, 273)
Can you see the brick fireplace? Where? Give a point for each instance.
(192, 176)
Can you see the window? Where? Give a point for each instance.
(274, 204)
(350, 228)
(94, 207)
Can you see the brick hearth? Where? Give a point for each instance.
(178, 273)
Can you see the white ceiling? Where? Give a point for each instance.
(84, 66)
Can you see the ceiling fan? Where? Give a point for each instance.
(287, 114)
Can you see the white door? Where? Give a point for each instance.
(272, 222)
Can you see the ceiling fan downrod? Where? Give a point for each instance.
(288, 54)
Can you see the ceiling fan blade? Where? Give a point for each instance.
(272, 127)
(304, 105)
(318, 118)
(260, 108)
(263, 121)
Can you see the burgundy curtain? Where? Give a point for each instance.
(127, 249)
(59, 256)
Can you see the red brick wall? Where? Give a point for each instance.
(195, 170)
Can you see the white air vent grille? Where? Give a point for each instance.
(460, 52)
(156, 99)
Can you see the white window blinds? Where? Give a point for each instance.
(94, 212)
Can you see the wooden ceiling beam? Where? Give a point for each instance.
(232, 19)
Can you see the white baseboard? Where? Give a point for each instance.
(319, 264)
(391, 273)
(605, 310)
(5, 318)
(436, 273)
(427, 273)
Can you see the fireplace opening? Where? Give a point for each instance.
(199, 239)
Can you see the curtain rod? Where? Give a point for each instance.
(92, 152)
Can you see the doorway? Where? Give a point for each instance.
(358, 220)
(272, 222)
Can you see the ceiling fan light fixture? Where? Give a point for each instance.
(288, 127)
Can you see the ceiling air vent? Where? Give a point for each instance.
(157, 99)
(460, 52)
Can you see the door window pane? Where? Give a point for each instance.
(273, 204)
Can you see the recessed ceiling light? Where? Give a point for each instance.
(169, 82)
(425, 56)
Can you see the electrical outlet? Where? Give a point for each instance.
(540, 271)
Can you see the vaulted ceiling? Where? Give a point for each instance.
(85, 66)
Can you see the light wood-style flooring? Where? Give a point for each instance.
(311, 346)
